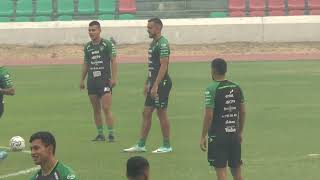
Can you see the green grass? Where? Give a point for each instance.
(282, 124)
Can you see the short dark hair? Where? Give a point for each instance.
(219, 65)
(156, 21)
(94, 23)
(46, 137)
(136, 166)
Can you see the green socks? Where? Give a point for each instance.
(166, 143)
(142, 142)
(100, 129)
(110, 130)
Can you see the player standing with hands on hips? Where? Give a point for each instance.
(156, 89)
(101, 67)
(223, 122)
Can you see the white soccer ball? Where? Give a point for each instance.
(17, 143)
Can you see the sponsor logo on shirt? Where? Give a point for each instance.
(72, 176)
(230, 122)
(231, 101)
(230, 108)
(230, 129)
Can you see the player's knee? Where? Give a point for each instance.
(146, 113)
(96, 111)
(106, 109)
(162, 112)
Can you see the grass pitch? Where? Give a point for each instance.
(282, 124)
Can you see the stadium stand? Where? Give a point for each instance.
(126, 16)
(65, 7)
(24, 8)
(127, 6)
(43, 10)
(107, 6)
(44, 7)
(23, 19)
(296, 7)
(106, 17)
(276, 7)
(5, 19)
(314, 7)
(6, 8)
(67, 10)
(237, 8)
(218, 14)
(42, 18)
(257, 7)
(220, 9)
(86, 7)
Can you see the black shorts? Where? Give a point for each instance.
(163, 95)
(223, 150)
(1, 108)
(100, 91)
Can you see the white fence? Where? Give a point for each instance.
(178, 31)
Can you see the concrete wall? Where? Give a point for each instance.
(178, 31)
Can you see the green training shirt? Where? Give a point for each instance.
(59, 172)
(157, 50)
(224, 97)
(98, 58)
(5, 80)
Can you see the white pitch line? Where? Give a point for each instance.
(4, 147)
(313, 155)
(26, 171)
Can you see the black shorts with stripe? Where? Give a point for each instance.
(224, 150)
(162, 100)
(100, 90)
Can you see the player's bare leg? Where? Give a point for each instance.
(96, 106)
(236, 173)
(106, 106)
(145, 128)
(146, 123)
(221, 173)
(165, 129)
(165, 125)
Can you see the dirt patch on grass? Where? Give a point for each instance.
(75, 52)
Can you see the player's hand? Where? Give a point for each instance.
(240, 138)
(82, 86)
(154, 91)
(113, 82)
(203, 144)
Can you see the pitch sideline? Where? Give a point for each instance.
(25, 171)
(4, 147)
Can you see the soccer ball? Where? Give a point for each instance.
(17, 143)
